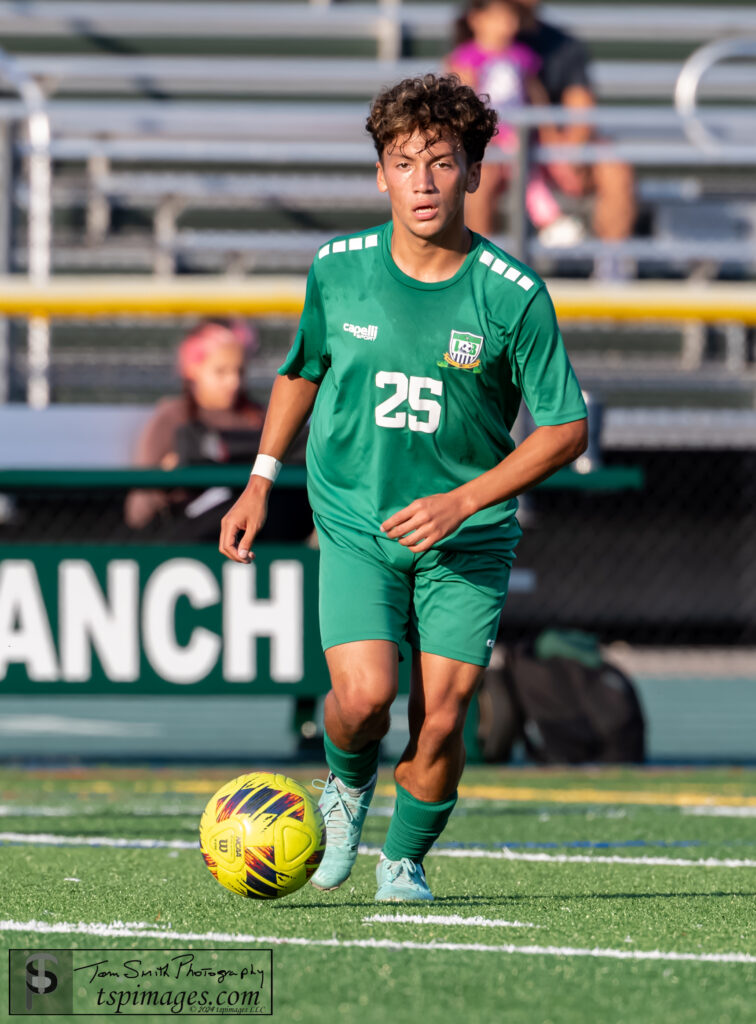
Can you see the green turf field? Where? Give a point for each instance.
(615, 897)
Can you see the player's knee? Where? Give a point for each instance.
(363, 709)
(443, 726)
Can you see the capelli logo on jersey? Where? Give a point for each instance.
(369, 333)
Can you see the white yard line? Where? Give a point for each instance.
(565, 858)
(12, 811)
(18, 811)
(720, 811)
(119, 930)
(445, 919)
(46, 839)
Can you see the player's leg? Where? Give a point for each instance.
(363, 687)
(440, 693)
(361, 621)
(364, 679)
(428, 772)
(457, 603)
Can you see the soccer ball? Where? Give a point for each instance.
(262, 835)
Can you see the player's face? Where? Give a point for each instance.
(427, 183)
(217, 379)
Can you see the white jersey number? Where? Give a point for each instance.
(408, 388)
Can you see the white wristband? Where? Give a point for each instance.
(267, 466)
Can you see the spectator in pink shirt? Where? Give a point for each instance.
(492, 61)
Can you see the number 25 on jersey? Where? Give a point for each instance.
(409, 390)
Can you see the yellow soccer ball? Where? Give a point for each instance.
(262, 835)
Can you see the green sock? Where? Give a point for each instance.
(415, 825)
(355, 768)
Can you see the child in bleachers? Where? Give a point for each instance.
(489, 58)
(206, 422)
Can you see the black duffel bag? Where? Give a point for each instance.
(562, 700)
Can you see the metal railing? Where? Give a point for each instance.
(89, 74)
(386, 21)
(691, 78)
(687, 136)
(271, 297)
(40, 213)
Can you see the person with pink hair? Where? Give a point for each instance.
(197, 426)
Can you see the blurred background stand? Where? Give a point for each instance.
(185, 172)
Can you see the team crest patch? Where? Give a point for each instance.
(463, 352)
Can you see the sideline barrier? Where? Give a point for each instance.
(283, 296)
(608, 478)
(157, 619)
(147, 619)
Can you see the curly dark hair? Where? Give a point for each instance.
(433, 105)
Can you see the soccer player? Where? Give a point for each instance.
(417, 342)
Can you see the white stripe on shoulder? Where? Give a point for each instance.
(349, 244)
(501, 268)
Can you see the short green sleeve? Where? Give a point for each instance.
(307, 356)
(542, 369)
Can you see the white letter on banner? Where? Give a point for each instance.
(87, 619)
(25, 634)
(246, 617)
(174, 579)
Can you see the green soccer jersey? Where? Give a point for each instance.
(420, 383)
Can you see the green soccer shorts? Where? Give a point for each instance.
(442, 602)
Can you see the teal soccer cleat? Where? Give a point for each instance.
(344, 811)
(400, 880)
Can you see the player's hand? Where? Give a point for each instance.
(425, 521)
(246, 517)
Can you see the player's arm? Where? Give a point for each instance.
(291, 402)
(543, 452)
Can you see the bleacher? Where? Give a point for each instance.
(196, 139)
(256, 86)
